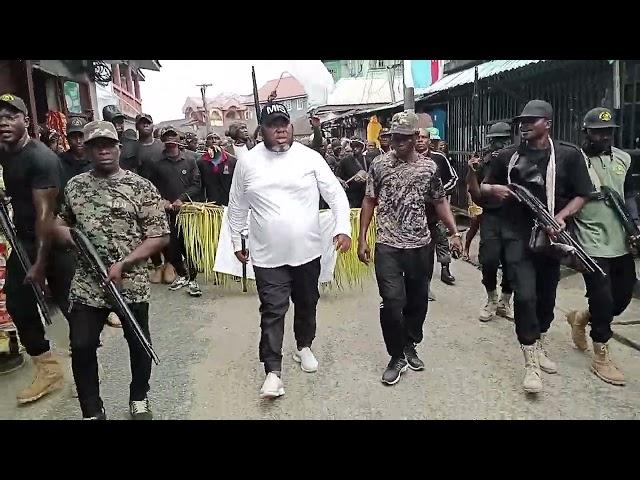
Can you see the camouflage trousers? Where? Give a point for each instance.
(440, 238)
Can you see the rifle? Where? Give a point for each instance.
(11, 235)
(256, 100)
(475, 115)
(546, 220)
(615, 201)
(88, 251)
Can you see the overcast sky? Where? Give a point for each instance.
(164, 92)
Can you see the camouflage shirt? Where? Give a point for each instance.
(403, 191)
(116, 214)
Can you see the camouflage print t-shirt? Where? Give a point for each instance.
(403, 190)
(116, 214)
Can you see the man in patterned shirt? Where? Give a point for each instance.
(122, 215)
(402, 183)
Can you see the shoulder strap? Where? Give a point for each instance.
(593, 174)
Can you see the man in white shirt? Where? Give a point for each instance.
(280, 181)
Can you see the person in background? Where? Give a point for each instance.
(371, 151)
(177, 178)
(129, 146)
(385, 139)
(242, 142)
(353, 170)
(74, 161)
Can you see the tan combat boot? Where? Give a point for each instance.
(489, 310)
(48, 378)
(604, 367)
(578, 321)
(532, 382)
(546, 364)
(504, 307)
(114, 321)
(169, 274)
(157, 274)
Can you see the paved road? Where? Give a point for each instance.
(210, 370)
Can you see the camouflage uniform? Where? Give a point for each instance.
(116, 214)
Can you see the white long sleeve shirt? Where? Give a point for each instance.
(282, 190)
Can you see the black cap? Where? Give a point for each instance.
(168, 129)
(536, 109)
(272, 111)
(385, 132)
(111, 112)
(500, 129)
(357, 140)
(76, 124)
(15, 102)
(145, 116)
(599, 118)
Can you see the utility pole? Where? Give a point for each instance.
(409, 102)
(203, 91)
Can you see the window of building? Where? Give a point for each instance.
(300, 104)
(249, 114)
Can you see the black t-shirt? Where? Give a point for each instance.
(148, 154)
(349, 166)
(71, 166)
(35, 167)
(572, 178)
(129, 155)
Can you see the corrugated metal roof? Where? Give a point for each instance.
(485, 70)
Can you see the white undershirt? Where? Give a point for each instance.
(240, 151)
(282, 191)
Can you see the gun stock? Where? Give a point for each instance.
(11, 235)
(616, 202)
(89, 253)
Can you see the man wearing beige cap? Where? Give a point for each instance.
(401, 185)
(123, 217)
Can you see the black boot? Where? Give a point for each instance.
(446, 276)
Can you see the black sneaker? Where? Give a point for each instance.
(412, 358)
(396, 367)
(445, 275)
(139, 409)
(100, 416)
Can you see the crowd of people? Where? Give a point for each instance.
(124, 189)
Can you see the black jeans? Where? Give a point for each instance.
(21, 301)
(275, 287)
(440, 240)
(403, 277)
(176, 252)
(85, 325)
(492, 252)
(609, 296)
(534, 278)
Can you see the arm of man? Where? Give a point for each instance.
(367, 209)
(495, 182)
(316, 143)
(155, 229)
(436, 195)
(333, 193)
(61, 233)
(473, 186)
(581, 186)
(447, 173)
(238, 210)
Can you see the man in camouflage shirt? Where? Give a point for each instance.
(122, 215)
(401, 183)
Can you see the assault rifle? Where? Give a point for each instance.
(11, 235)
(616, 202)
(88, 251)
(547, 221)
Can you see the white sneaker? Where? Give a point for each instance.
(178, 283)
(272, 386)
(504, 307)
(306, 359)
(546, 364)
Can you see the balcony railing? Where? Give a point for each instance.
(129, 104)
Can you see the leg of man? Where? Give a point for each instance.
(174, 251)
(419, 270)
(418, 266)
(85, 326)
(305, 295)
(489, 257)
(600, 299)
(505, 285)
(274, 291)
(522, 276)
(140, 361)
(389, 274)
(623, 280)
(547, 278)
(443, 253)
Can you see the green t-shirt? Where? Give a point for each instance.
(598, 229)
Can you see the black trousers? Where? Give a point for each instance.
(403, 277)
(21, 301)
(275, 287)
(534, 278)
(492, 253)
(176, 252)
(609, 296)
(85, 325)
(441, 241)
